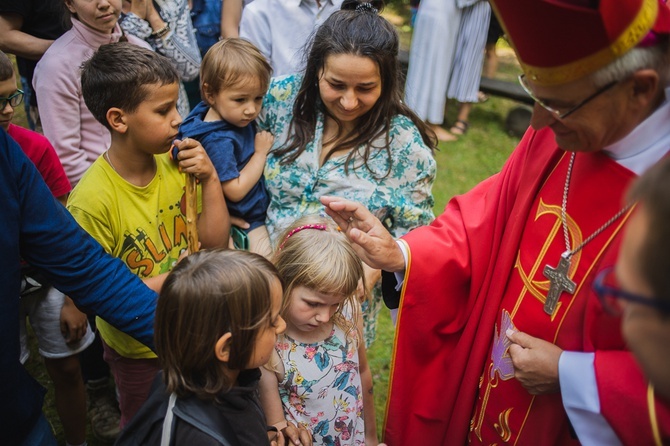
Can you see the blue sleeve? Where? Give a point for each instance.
(20, 395)
(221, 150)
(51, 241)
(38, 228)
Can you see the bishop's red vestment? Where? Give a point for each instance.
(478, 270)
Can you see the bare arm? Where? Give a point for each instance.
(178, 44)
(15, 41)
(270, 400)
(274, 411)
(73, 323)
(155, 283)
(237, 188)
(368, 394)
(231, 14)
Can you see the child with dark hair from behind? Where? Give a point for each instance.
(130, 199)
(234, 77)
(217, 321)
(62, 331)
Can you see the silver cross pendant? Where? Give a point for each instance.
(558, 282)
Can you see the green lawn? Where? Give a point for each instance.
(461, 164)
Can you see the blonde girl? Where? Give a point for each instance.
(320, 366)
(217, 321)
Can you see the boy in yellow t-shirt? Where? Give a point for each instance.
(131, 198)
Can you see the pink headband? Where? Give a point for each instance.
(293, 231)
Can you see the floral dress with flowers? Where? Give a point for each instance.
(322, 388)
(397, 187)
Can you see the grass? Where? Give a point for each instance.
(461, 165)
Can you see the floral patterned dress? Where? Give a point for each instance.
(402, 199)
(322, 388)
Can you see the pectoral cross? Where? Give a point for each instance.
(558, 282)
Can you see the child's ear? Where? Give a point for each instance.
(222, 347)
(116, 118)
(207, 93)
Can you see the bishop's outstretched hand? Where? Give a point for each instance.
(369, 238)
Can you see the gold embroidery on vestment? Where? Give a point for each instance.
(502, 426)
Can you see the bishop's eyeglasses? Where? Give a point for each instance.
(562, 114)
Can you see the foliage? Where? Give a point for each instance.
(397, 4)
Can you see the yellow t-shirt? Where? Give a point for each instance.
(143, 226)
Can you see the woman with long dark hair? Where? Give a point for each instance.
(341, 129)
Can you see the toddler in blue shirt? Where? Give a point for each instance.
(234, 77)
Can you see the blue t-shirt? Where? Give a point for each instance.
(230, 148)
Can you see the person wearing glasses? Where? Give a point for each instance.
(36, 146)
(638, 288)
(496, 302)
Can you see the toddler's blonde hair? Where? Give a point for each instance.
(230, 61)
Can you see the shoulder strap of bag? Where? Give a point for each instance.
(167, 422)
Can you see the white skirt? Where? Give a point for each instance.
(446, 56)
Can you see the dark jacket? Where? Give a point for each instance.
(237, 420)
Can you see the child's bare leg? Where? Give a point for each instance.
(70, 396)
(259, 241)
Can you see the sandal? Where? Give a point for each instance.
(482, 97)
(442, 134)
(459, 128)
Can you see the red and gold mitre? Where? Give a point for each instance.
(558, 41)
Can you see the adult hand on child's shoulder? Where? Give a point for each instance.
(263, 142)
